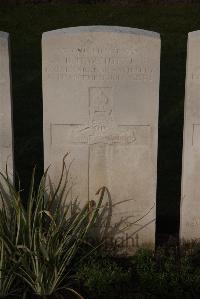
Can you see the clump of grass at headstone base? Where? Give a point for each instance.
(46, 234)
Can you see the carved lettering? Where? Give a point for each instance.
(98, 64)
(195, 75)
(196, 135)
(194, 222)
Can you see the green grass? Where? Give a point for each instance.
(146, 275)
(26, 24)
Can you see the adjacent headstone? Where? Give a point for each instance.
(6, 146)
(190, 198)
(100, 103)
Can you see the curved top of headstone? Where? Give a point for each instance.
(4, 34)
(101, 28)
(194, 34)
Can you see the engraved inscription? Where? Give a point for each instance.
(97, 64)
(194, 222)
(195, 75)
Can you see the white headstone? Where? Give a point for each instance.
(101, 98)
(190, 197)
(6, 146)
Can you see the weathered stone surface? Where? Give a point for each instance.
(100, 103)
(190, 198)
(6, 146)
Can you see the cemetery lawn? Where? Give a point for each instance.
(166, 274)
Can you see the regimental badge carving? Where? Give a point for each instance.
(100, 107)
(101, 128)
